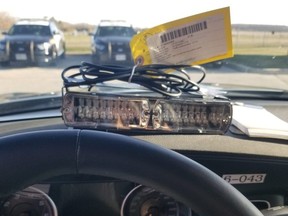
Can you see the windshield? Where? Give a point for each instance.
(258, 63)
(115, 31)
(30, 30)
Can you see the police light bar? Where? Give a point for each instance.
(184, 115)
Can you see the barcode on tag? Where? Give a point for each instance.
(183, 31)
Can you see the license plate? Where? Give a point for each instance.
(120, 57)
(21, 56)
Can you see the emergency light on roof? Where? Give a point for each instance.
(84, 110)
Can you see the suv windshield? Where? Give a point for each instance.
(104, 31)
(30, 30)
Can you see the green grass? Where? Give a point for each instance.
(260, 49)
(273, 51)
(260, 43)
(78, 44)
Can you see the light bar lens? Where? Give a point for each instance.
(175, 115)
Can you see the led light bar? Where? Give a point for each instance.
(83, 110)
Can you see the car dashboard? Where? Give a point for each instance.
(257, 167)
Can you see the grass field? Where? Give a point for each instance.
(78, 44)
(261, 49)
(256, 49)
(260, 43)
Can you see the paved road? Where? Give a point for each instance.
(48, 79)
(21, 78)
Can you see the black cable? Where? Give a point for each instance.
(156, 77)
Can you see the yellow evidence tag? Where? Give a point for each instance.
(193, 40)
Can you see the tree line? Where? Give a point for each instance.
(6, 21)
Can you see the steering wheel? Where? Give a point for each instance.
(28, 158)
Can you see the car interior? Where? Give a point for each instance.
(147, 139)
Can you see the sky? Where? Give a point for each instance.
(146, 13)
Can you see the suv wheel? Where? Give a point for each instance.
(54, 55)
(63, 55)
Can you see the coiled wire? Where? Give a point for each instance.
(156, 77)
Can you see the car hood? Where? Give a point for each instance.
(26, 102)
(233, 91)
(116, 39)
(10, 97)
(24, 38)
(207, 89)
(244, 92)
